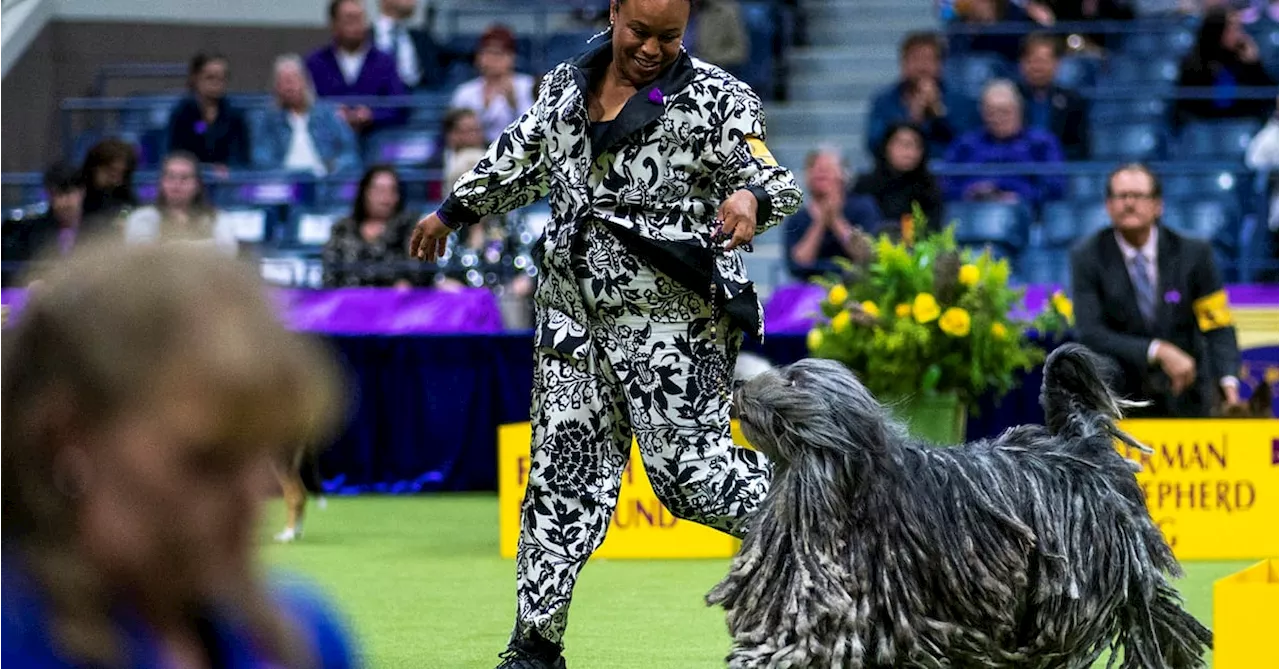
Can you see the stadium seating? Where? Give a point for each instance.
(1000, 225)
(1224, 140)
(1131, 141)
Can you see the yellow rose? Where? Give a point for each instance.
(814, 340)
(902, 310)
(955, 322)
(969, 274)
(1062, 304)
(925, 308)
(840, 322)
(871, 309)
(838, 295)
(999, 331)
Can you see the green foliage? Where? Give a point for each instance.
(926, 316)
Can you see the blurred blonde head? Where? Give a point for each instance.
(146, 390)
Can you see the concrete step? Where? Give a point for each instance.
(851, 17)
(829, 118)
(814, 89)
(791, 151)
(879, 29)
(861, 63)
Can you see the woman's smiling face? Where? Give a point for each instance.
(647, 36)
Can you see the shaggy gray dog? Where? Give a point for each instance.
(871, 550)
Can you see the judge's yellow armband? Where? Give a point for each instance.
(761, 152)
(1212, 312)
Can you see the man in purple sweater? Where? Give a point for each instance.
(1004, 139)
(352, 66)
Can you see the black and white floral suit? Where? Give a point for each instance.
(639, 315)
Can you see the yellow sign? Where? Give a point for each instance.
(641, 526)
(1245, 618)
(1211, 485)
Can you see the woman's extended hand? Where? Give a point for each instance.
(430, 238)
(737, 218)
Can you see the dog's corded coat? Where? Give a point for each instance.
(1032, 550)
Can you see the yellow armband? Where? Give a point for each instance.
(760, 151)
(1212, 312)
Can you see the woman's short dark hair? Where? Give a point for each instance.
(63, 177)
(201, 60)
(914, 40)
(359, 212)
(110, 151)
(1033, 40)
(453, 116)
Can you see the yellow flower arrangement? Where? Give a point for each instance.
(1062, 304)
(925, 308)
(955, 322)
(934, 318)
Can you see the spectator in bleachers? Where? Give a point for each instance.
(919, 96)
(204, 123)
(415, 53)
(182, 211)
(108, 172)
(500, 94)
(350, 66)
(65, 224)
(1153, 301)
(1224, 58)
(824, 229)
(901, 178)
(1004, 139)
(1263, 156)
(369, 247)
(462, 139)
(1048, 106)
(990, 13)
(300, 133)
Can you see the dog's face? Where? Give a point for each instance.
(812, 404)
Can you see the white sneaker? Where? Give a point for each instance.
(289, 535)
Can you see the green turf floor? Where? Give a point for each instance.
(420, 581)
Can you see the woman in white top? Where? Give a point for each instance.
(182, 211)
(500, 94)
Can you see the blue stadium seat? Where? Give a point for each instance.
(1126, 71)
(565, 46)
(1044, 266)
(1143, 109)
(1266, 33)
(1077, 71)
(1092, 216)
(968, 73)
(401, 147)
(1166, 42)
(1060, 224)
(151, 112)
(996, 223)
(1201, 219)
(1224, 139)
(1133, 141)
(1086, 187)
(1208, 185)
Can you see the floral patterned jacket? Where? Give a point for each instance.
(675, 152)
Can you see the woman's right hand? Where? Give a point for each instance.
(430, 238)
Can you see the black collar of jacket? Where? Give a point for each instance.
(641, 109)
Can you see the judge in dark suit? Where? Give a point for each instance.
(1153, 300)
(352, 66)
(1048, 106)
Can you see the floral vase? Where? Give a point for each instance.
(938, 419)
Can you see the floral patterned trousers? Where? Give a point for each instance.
(658, 369)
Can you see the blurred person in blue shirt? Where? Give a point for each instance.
(1004, 139)
(147, 392)
(825, 228)
(1047, 105)
(919, 97)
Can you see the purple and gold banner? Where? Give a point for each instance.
(375, 311)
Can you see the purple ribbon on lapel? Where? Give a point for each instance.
(655, 96)
(1173, 297)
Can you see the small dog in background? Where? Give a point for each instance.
(294, 491)
(872, 550)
